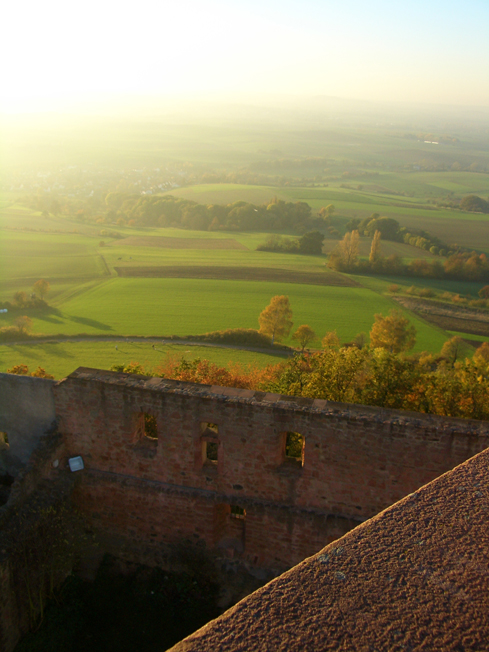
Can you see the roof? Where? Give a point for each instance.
(414, 577)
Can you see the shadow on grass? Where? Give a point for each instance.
(49, 314)
(93, 323)
(51, 320)
(31, 351)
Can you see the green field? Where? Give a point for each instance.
(61, 358)
(162, 307)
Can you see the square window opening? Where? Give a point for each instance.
(211, 452)
(238, 512)
(210, 443)
(147, 427)
(294, 447)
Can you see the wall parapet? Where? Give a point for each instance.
(349, 411)
(168, 459)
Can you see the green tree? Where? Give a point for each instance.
(304, 335)
(41, 288)
(276, 320)
(335, 374)
(474, 203)
(311, 243)
(388, 227)
(393, 333)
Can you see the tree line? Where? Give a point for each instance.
(362, 374)
(170, 211)
(310, 243)
(462, 266)
(391, 230)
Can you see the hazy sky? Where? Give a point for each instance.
(57, 52)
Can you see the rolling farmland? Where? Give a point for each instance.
(111, 278)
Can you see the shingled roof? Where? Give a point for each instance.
(414, 577)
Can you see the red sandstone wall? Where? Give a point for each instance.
(357, 461)
(38, 487)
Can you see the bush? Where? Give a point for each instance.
(246, 336)
(456, 298)
(412, 290)
(12, 334)
(23, 370)
(426, 292)
(484, 292)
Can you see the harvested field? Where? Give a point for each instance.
(448, 316)
(459, 325)
(327, 277)
(180, 243)
(425, 306)
(475, 343)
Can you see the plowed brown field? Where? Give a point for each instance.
(180, 243)
(326, 277)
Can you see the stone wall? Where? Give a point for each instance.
(253, 502)
(41, 487)
(26, 413)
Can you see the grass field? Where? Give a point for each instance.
(61, 358)
(322, 277)
(162, 307)
(26, 257)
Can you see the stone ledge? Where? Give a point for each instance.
(214, 496)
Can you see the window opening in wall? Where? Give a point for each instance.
(294, 447)
(211, 451)
(238, 512)
(210, 444)
(147, 426)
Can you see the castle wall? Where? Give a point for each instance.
(28, 562)
(26, 413)
(356, 461)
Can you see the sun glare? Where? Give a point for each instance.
(59, 53)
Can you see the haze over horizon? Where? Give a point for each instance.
(64, 58)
